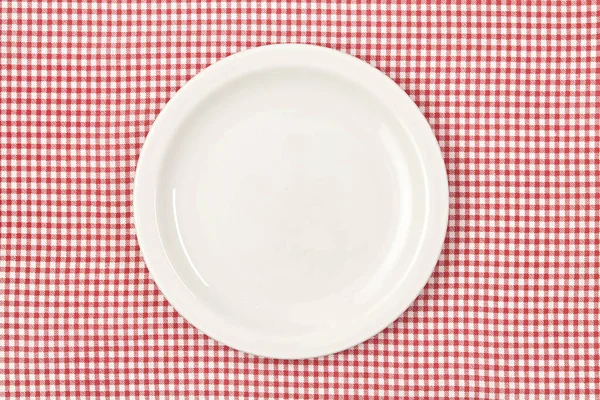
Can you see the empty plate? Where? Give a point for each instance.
(291, 201)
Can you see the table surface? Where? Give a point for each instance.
(511, 92)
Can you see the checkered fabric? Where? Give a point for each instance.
(511, 91)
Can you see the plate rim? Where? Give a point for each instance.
(367, 76)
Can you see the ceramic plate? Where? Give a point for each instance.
(291, 201)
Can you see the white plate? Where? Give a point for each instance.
(291, 201)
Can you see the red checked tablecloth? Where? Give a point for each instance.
(512, 93)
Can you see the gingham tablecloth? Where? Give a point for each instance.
(511, 91)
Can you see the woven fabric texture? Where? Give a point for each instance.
(512, 310)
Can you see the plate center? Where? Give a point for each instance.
(284, 197)
(292, 204)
